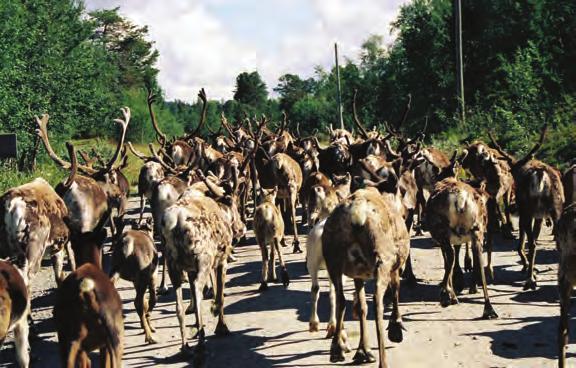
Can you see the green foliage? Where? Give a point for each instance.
(250, 89)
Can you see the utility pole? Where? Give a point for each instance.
(459, 64)
(338, 87)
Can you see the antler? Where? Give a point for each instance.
(73, 165)
(356, 120)
(280, 131)
(160, 161)
(536, 147)
(508, 158)
(42, 132)
(405, 114)
(138, 154)
(89, 161)
(226, 126)
(159, 135)
(202, 96)
(124, 125)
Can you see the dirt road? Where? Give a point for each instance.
(271, 328)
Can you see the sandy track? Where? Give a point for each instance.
(271, 329)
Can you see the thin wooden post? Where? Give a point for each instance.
(339, 97)
(459, 63)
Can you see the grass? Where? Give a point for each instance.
(11, 177)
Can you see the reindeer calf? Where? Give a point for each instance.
(14, 309)
(135, 258)
(269, 230)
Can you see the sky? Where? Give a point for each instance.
(207, 43)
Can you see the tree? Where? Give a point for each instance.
(291, 88)
(250, 89)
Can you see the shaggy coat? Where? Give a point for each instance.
(365, 238)
(456, 214)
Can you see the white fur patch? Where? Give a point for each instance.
(128, 246)
(87, 285)
(178, 156)
(359, 212)
(15, 217)
(539, 181)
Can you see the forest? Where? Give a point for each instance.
(519, 74)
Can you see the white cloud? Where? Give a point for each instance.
(200, 47)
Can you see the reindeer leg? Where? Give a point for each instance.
(457, 275)
(489, 312)
(152, 299)
(197, 289)
(447, 295)
(265, 260)
(565, 288)
(532, 236)
(142, 203)
(70, 254)
(314, 293)
(363, 353)
(141, 306)
(21, 342)
(525, 225)
(382, 279)
(292, 204)
(408, 273)
(272, 277)
(338, 346)
(163, 290)
(395, 326)
(508, 228)
(58, 266)
(283, 271)
(467, 259)
(221, 327)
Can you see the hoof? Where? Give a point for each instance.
(285, 278)
(151, 340)
(446, 299)
(489, 275)
(263, 286)
(336, 354)
(313, 326)
(489, 312)
(215, 309)
(330, 330)
(221, 330)
(395, 331)
(530, 285)
(473, 289)
(163, 290)
(458, 281)
(190, 309)
(363, 356)
(297, 250)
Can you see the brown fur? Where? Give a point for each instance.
(88, 316)
(365, 238)
(569, 184)
(566, 241)
(14, 308)
(134, 258)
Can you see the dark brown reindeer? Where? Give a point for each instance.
(366, 238)
(88, 309)
(14, 310)
(539, 195)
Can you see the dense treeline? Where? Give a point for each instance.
(518, 56)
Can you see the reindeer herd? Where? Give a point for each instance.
(359, 195)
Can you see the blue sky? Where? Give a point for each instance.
(207, 43)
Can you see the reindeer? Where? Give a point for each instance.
(539, 195)
(566, 242)
(364, 238)
(198, 239)
(150, 175)
(269, 230)
(14, 310)
(88, 309)
(134, 258)
(32, 221)
(89, 197)
(569, 184)
(456, 214)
